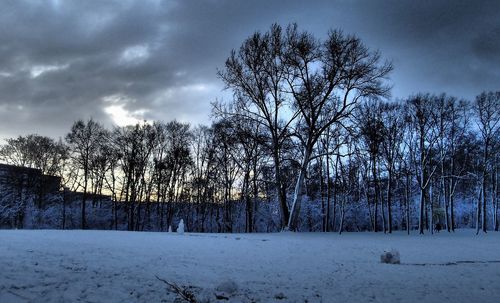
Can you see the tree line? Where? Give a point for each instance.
(311, 136)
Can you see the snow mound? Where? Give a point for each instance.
(390, 257)
(228, 287)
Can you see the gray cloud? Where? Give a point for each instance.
(65, 60)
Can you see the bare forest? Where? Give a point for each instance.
(311, 141)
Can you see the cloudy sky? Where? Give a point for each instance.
(123, 61)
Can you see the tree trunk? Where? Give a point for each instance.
(342, 212)
(281, 190)
(494, 194)
(327, 193)
(484, 186)
(389, 200)
(376, 195)
(443, 197)
(431, 207)
(407, 195)
(64, 209)
(452, 212)
(496, 217)
(335, 193)
(255, 194)
(297, 199)
(323, 208)
(248, 202)
(422, 181)
(478, 210)
(484, 212)
(421, 213)
(447, 209)
(84, 197)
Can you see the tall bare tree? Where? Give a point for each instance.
(371, 128)
(487, 109)
(326, 79)
(256, 74)
(393, 127)
(423, 124)
(83, 140)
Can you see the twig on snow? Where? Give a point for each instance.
(182, 292)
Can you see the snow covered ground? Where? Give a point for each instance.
(109, 266)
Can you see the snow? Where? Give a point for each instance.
(116, 266)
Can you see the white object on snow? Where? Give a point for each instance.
(390, 257)
(170, 228)
(180, 228)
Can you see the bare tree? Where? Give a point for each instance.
(83, 140)
(371, 128)
(325, 81)
(487, 109)
(35, 151)
(420, 110)
(256, 74)
(393, 127)
(454, 138)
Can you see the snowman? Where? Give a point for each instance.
(180, 228)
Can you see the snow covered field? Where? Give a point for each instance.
(108, 266)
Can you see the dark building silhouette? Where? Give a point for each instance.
(23, 189)
(27, 181)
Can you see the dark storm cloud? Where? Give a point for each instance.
(65, 60)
